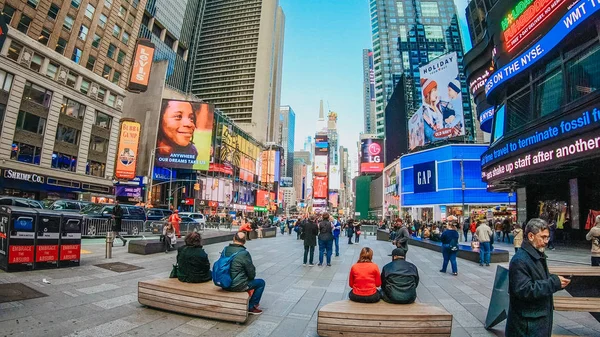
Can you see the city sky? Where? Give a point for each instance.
(323, 47)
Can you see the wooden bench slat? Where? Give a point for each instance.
(387, 330)
(328, 333)
(194, 288)
(195, 306)
(396, 323)
(193, 312)
(216, 294)
(194, 300)
(384, 317)
(585, 304)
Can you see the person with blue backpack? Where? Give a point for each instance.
(234, 271)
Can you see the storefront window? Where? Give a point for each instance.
(64, 162)
(72, 108)
(26, 153)
(549, 93)
(103, 120)
(67, 134)
(30, 122)
(35, 93)
(584, 73)
(95, 168)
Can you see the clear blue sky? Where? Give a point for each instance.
(323, 47)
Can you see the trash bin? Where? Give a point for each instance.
(70, 240)
(47, 236)
(18, 238)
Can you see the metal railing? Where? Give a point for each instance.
(369, 229)
(98, 227)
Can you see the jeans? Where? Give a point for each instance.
(308, 249)
(505, 235)
(365, 299)
(290, 230)
(484, 252)
(325, 247)
(595, 261)
(336, 240)
(356, 238)
(259, 286)
(466, 234)
(449, 256)
(349, 237)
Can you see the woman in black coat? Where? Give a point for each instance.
(309, 233)
(192, 261)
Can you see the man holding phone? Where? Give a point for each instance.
(531, 286)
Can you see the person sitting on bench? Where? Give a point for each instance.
(364, 279)
(399, 279)
(192, 261)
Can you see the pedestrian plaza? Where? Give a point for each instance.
(92, 301)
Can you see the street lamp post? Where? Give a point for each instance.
(151, 174)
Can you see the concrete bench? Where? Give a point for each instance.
(347, 318)
(153, 246)
(195, 299)
(464, 251)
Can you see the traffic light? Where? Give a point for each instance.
(183, 190)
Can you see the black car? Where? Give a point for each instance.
(105, 211)
(68, 205)
(20, 202)
(155, 214)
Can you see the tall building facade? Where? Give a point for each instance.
(287, 127)
(299, 178)
(237, 63)
(173, 26)
(476, 13)
(368, 91)
(64, 67)
(332, 136)
(407, 35)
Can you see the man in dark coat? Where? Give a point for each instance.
(399, 279)
(531, 286)
(309, 234)
(243, 272)
(117, 216)
(401, 238)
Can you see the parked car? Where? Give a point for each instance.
(105, 211)
(20, 202)
(186, 225)
(68, 205)
(157, 213)
(197, 217)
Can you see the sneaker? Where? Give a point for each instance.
(329, 265)
(311, 265)
(442, 271)
(455, 274)
(254, 311)
(337, 254)
(487, 264)
(481, 264)
(319, 265)
(304, 264)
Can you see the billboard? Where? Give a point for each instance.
(286, 182)
(270, 166)
(262, 197)
(441, 113)
(127, 153)
(371, 155)
(237, 151)
(333, 199)
(184, 135)
(371, 77)
(334, 177)
(425, 177)
(321, 164)
(142, 64)
(320, 187)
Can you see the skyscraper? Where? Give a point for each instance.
(173, 27)
(406, 35)
(368, 91)
(237, 63)
(476, 13)
(287, 127)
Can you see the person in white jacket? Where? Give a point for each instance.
(594, 236)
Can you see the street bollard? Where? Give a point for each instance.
(109, 244)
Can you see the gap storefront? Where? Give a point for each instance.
(432, 184)
(545, 142)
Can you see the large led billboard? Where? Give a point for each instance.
(262, 198)
(321, 164)
(270, 166)
(184, 135)
(320, 188)
(441, 113)
(334, 177)
(371, 155)
(128, 150)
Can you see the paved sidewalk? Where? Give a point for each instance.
(90, 301)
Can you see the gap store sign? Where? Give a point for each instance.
(433, 177)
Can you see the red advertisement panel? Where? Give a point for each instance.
(20, 254)
(70, 252)
(262, 198)
(320, 187)
(46, 253)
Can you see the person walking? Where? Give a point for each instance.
(484, 233)
(193, 265)
(517, 236)
(399, 279)
(357, 233)
(364, 279)
(449, 241)
(531, 286)
(465, 228)
(505, 230)
(337, 229)
(175, 220)
(325, 239)
(552, 228)
(117, 216)
(243, 272)
(594, 236)
(350, 230)
(310, 230)
(401, 237)
(498, 229)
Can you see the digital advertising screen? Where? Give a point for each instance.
(334, 177)
(184, 135)
(371, 155)
(262, 197)
(441, 113)
(270, 166)
(333, 199)
(127, 151)
(321, 164)
(320, 188)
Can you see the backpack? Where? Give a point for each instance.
(220, 273)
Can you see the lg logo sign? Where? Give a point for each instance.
(374, 150)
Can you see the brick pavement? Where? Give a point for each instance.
(90, 301)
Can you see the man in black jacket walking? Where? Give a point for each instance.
(243, 272)
(531, 285)
(309, 233)
(401, 237)
(117, 216)
(399, 279)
